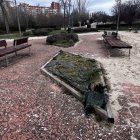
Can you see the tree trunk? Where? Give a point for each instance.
(17, 14)
(5, 17)
(64, 17)
(69, 14)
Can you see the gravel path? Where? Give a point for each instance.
(33, 107)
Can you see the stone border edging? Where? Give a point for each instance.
(106, 115)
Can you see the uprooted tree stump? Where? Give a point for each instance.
(84, 79)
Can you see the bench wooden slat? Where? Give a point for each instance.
(117, 43)
(3, 52)
(9, 50)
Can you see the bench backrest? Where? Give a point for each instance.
(3, 43)
(20, 41)
(113, 34)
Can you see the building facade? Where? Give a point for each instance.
(55, 7)
(35, 10)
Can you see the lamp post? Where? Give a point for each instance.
(118, 10)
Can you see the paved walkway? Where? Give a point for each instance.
(33, 107)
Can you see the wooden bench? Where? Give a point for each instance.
(115, 43)
(18, 45)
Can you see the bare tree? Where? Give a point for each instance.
(129, 11)
(5, 15)
(17, 15)
(64, 4)
(100, 16)
(81, 6)
(69, 11)
(77, 9)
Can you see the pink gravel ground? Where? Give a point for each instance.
(33, 107)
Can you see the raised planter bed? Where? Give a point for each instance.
(80, 75)
(62, 39)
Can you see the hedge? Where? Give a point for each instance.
(84, 30)
(38, 32)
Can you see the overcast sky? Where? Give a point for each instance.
(93, 5)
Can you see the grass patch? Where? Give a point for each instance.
(55, 32)
(10, 36)
(84, 30)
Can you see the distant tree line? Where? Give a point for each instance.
(129, 13)
(10, 15)
(100, 17)
(73, 13)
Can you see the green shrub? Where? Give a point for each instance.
(54, 32)
(63, 38)
(51, 40)
(64, 42)
(40, 32)
(2, 32)
(113, 28)
(28, 33)
(63, 32)
(73, 37)
(71, 42)
(49, 29)
(84, 30)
